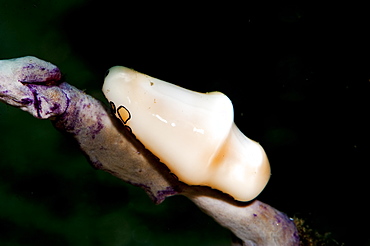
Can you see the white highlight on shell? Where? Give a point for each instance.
(192, 133)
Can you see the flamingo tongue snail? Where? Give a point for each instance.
(192, 133)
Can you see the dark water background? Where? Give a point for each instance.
(298, 75)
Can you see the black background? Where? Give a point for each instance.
(298, 76)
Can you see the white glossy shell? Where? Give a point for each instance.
(192, 133)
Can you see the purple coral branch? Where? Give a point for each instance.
(35, 86)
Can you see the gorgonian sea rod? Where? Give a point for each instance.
(36, 87)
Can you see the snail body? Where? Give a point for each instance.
(192, 133)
